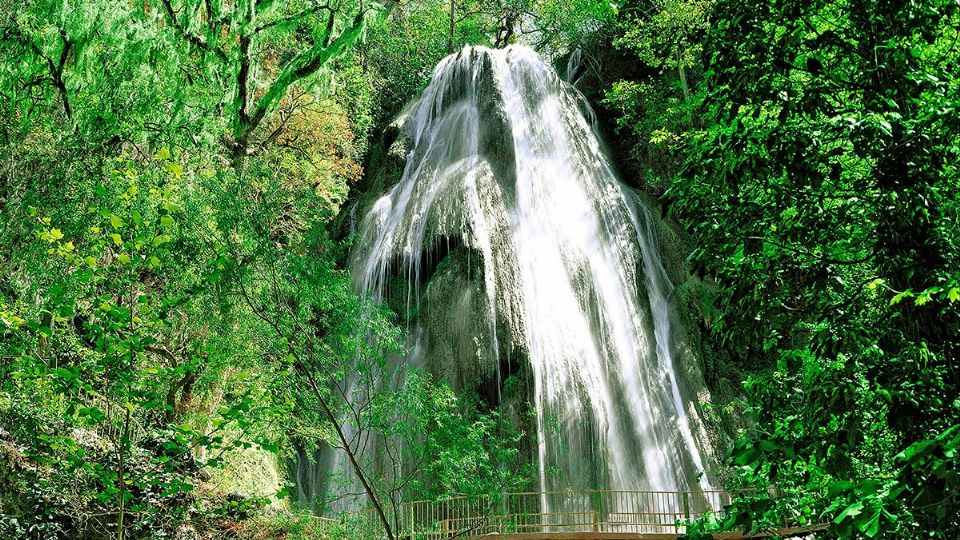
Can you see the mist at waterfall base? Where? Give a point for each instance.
(563, 283)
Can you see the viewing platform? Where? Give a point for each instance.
(559, 515)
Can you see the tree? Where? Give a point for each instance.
(666, 33)
(234, 37)
(170, 353)
(818, 192)
(104, 353)
(401, 433)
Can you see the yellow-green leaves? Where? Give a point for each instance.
(176, 169)
(51, 235)
(115, 221)
(172, 167)
(9, 319)
(951, 294)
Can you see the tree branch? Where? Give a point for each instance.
(304, 370)
(305, 13)
(302, 65)
(16, 34)
(192, 38)
(57, 73)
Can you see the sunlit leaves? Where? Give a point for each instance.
(97, 317)
(665, 35)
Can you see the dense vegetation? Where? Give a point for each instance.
(175, 318)
(816, 161)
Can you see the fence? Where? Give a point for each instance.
(619, 511)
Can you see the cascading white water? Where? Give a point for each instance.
(502, 160)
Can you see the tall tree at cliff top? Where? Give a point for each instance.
(200, 71)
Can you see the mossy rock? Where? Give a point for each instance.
(251, 473)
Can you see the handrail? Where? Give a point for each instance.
(558, 511)
(564, 492)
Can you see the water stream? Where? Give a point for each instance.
(502, 159)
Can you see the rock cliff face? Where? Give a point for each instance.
(525, 270)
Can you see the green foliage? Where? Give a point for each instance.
(459, 450)
(665, 33)
(817, 184)
(185, 72)
(654, 106)
(550, 26)
(404, 49)
(291, 526)
(93, 350)
(813, 160)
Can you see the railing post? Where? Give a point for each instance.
(411, 527)
(686, 505)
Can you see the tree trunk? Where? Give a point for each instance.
(453, 22)
(345, 446)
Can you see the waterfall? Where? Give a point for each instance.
(562, 274)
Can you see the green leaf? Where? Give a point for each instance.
(64, 373)
(871, 525)
(899, 297)
(94, 413)
(116, 221)
(851, 511)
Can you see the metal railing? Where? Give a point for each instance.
(615, 511)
